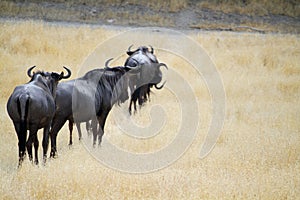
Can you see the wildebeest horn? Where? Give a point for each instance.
(160, 87)
(66, 76)
(107, 62)
(129, 48)
(29, 71)
(152, 51)
(159, 65)
(129, 51)
(162, 64)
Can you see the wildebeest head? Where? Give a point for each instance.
(146, 73)
(145, 50)
(49, 78)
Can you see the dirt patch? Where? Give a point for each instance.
(173, 14)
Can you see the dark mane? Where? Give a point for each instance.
(140, 95)
(115, 82)
(103, 72)
(112, 75)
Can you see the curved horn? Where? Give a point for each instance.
(152, 51)
(66, 76)
(29, 71)
(162, 64)
(129, 48)
(107, 62)
(160, 87)
(129, 51)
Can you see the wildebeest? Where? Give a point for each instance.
(150, 76)
(31, 107)
(92, 96)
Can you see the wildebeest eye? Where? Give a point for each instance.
(131, 63)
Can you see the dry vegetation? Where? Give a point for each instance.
(278, 16)
(254, 7)
(256, 157)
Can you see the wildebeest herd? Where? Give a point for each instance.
(45, 103)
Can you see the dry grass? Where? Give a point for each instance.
(256, 27)
(254, 7)
(161, 13)
(256, 157)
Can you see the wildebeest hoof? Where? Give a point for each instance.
(44, 160)
(20, 163)
(53, 155)
(30, 158)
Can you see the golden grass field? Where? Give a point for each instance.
(256, 156)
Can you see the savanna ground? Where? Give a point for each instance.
(256, 156)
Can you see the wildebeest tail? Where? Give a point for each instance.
(23, 104)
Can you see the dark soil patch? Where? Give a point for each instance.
(126, 14)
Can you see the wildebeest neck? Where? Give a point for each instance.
(115, 80)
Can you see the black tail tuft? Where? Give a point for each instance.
(23, 105)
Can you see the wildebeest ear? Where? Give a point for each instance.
(151, 49)
(129, 53)
(61, 75)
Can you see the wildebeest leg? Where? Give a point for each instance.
(129, 108)
(36, 148)
(29, 146)
(79, 130)
(88, 127)
(45, 142)
(71, 130)
(101, 120)
(22, 135)
(56, 126)
(31, 139)
(53, 144)
(95, 132)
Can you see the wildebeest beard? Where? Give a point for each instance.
(140, 94)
